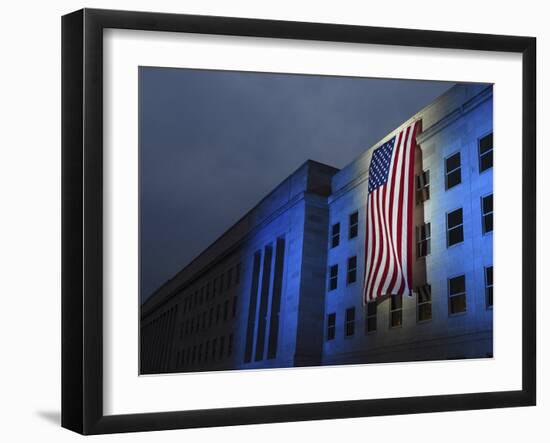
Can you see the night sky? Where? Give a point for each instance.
(213, 143)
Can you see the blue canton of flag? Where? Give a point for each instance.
(380, 165)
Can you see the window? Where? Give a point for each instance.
(214, 343)
(229, 278)
(396, 310)
(453, 175)
(423, 187)
(222, 279)
(457, 294)
(238, 274)
(486, 152)
(487, 213)
(489, 287)
(335, 235)
(331, 326)
(218, 313)
(333, 278)
(352, 270)
(222, 346)
(423, 240)
(353, 225)
(234, 309)
(424, 302)
(206, 351)
(350, 322)
(230, 345)
(455, 229)
(210, 317)
(371, 317)
(225, 310)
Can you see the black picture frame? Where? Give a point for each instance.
(82, 215)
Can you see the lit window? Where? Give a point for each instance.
(424, 302)
(396, 310)
(350, 322)
(333, 278)
(487, 213)
(423, 187)
(489, 286)
(331, 326)
(371, 316)
(353, 225)
(352, 270)
(457, 294)
(453, 175)
(455, 228)
(335, 235)
(486, 152)
(423, 240)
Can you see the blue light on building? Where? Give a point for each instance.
(283, 286)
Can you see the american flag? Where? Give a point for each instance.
(388, 242)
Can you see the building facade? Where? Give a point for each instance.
(283, 286)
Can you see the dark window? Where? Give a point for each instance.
(487, 213)
(352, 270)
(333, 278)
(225, 310)
(218, 313)
(457, 294)
(238, 274)
(230, 345)
(234, 309)
(424, 302)
(350, 322)
(489, 286)
(214, 344)
(396, 310)
(210, 317)
(222, 279)
(423, 187)
(331, 326)
(453, 175)
(203, 320)
(222, 346)
(455, 228)
(206, 351)
(371, 316)
(353, 225)
(199, 353)
(486, 152)
(423, 240)
(335, 235)
(229, 278)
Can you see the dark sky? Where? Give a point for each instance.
(213, 143)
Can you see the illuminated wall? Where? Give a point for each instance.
(456, 122)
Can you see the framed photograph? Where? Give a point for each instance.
(269, 221)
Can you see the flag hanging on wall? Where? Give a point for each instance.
(389, 218)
